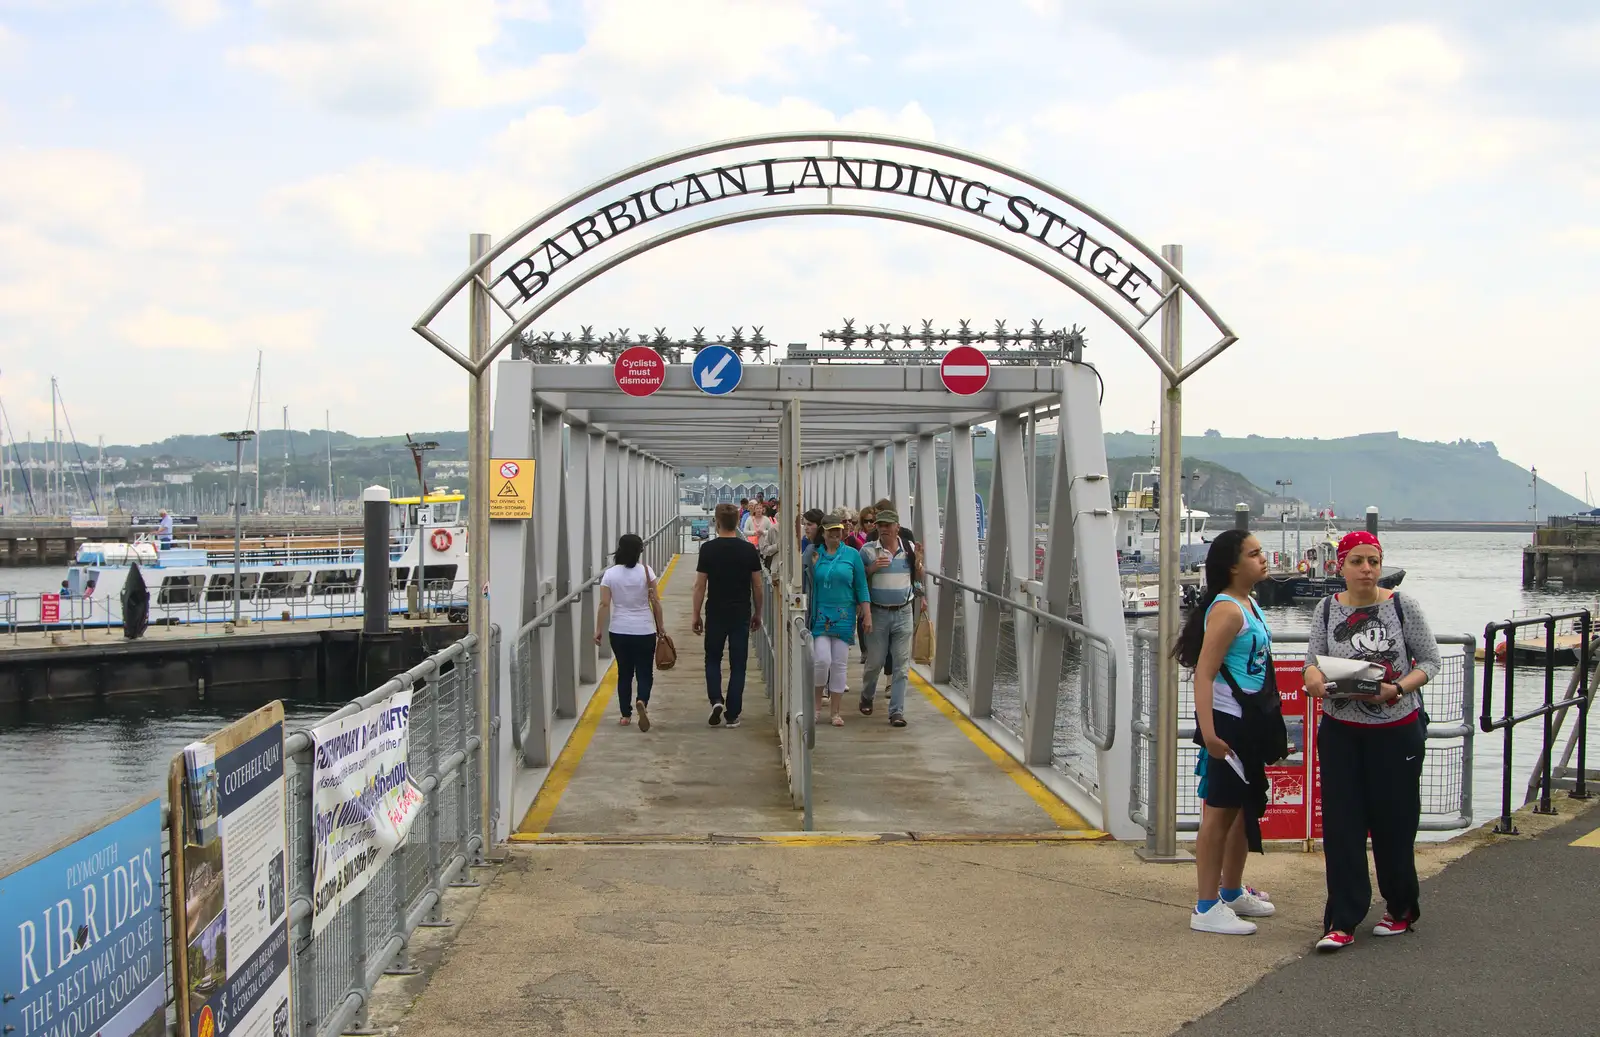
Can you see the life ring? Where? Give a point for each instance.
(1304, 566)
(440, 540)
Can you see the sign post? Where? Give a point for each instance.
(964, 370)
(640, 371)
(511, 488)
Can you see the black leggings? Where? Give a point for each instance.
(636, 660)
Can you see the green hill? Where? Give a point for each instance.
(1403, 478)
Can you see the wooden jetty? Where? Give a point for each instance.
(1566, 550)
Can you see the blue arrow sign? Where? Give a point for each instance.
(717, 370)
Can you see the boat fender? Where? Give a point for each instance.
(440, 540)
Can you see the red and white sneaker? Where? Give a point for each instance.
(1391, 927)
(1335, 941)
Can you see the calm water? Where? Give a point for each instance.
(60, 769)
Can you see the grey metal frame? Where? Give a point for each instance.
(1143, 742)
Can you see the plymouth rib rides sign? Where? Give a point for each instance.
(1021, 214)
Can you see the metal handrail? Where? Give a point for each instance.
(1578, 696)
(1102, 743)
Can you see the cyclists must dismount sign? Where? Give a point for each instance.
(964, 370)
(640, 371)
(511, 488)
(717, 370)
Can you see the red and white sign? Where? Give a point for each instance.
(640, 371)
(509, 469)
(49, 608)
(964, 370)
(1294, 799)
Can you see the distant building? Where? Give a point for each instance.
(1277, 507)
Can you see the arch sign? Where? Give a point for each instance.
(836, 174)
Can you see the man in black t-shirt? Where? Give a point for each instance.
(727, 584)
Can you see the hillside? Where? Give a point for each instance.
(1403, 478)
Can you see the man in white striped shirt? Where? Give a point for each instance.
(894, 584)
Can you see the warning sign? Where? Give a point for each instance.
(510, 488)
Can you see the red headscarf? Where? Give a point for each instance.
(1351, 541)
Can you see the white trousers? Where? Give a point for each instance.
(830, 659)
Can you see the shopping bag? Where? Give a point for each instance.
(666, 652)
(922, 641)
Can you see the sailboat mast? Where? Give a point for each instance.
(258, 430)
(53, 497)
(100, 490)
(327, 422)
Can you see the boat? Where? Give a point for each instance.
(1308, 579)
(280, 577)
(1137, 514)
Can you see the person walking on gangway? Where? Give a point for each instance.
(630, 610)
(1370, 746)
(894, 585)
(1228, 645)
(727, 610)
(839, 601)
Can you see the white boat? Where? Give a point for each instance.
(1138, 524)
(280, 577)
(1141, 596)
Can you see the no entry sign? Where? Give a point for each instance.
(640, 371)
(964, 370)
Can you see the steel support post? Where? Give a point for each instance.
(861, 493)
(1164, 796)
(374, 560)
(901, 485)
(548, 477)
(594, 546)
(479, 336)
(568, 545)
(880, 474)
(610, 469)
(1011, 525)
(514, 585)
(961, 513)
(847, 491)
(930, 537)
(1059, 551)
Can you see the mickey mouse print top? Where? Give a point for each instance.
(1396, 638)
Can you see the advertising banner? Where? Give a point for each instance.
(230, 912)
(362, 798)
(81, 943)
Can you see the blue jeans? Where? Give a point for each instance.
(889, 643)
(636, 660)
(730, 631)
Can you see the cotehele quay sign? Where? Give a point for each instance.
(530, 275)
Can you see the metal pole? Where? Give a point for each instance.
(375, 560)
(238, 461)
(1164, 797)
(478, 426)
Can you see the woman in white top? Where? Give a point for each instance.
(630, 610)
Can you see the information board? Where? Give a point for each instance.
(82, 948)
(362, 801)
(230, 915)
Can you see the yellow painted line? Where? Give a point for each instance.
(1063, 815)
(1591, 840)
(566, 766)
(782, 839)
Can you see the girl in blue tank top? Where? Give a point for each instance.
(1227, 632)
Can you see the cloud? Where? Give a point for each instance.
(156, 327)
(193, 14)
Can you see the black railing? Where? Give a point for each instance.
(1578, 696)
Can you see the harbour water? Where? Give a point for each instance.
(61, 768)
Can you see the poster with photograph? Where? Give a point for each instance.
(234, 921)
(363, 801)
(82, 947)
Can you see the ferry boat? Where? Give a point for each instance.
(280, 577)
(1137, 511)
(1315, 575)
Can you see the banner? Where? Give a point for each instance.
(362, 801)
(230, 876)
(81, 942)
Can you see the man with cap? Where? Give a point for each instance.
(894, 586)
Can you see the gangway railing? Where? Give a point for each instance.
(1082, 712)
(1578, 695)
(1447, 765)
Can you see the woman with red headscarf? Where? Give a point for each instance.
(1370, 743)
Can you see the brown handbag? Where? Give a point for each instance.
(666, 651)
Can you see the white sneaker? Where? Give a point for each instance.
(1248, 905)
(1220, 919)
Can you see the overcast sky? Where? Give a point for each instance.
(1396, 206)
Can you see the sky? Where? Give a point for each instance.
(1396, 206)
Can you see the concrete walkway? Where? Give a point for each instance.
(685, 779)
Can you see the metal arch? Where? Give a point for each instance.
(474, 271)
(1062, 275)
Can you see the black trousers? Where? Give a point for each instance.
(1371, 783)
(636, 662)
(730, 631)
